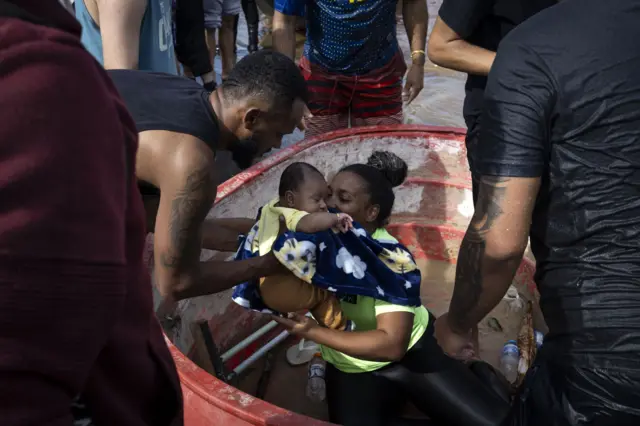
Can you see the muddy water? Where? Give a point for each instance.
(439, 103)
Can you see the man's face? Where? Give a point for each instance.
(262, 130)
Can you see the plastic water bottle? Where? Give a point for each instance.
(509, 360)
(539, 339)
(316, 385)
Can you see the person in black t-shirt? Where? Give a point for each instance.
(465, 38)
(559, 160)
(180, 127)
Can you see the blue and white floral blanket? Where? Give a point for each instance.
(351, 263)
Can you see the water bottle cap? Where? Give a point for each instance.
(511, 347)
(316, 371)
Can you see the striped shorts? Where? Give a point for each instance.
(338, 100)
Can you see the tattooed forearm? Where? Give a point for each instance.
(469, 278)
(468, 287)
(189, 208)
(489, 206)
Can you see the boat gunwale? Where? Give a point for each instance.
(415, 131)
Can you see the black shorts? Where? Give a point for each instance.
(471, 142)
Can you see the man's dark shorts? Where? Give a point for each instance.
(471, 142)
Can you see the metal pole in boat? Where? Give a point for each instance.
(249, 340)
(258, 354)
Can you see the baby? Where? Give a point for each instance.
(301, 207)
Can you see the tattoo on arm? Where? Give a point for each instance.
(491, 194)
(189, 208)
(469, 280)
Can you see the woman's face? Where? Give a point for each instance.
(348, 193)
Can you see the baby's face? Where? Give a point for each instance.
(311, 194)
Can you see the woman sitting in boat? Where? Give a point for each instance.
(392, 357)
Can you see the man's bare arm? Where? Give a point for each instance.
(187, 194)
(416, 20)
(492, 248)
(241, 225)
(119, 22)
(217, 276)
(284, 34)
(447, 49)
(222, 234)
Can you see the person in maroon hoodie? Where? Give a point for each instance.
(75, 298)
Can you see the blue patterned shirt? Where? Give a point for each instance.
(347, 36)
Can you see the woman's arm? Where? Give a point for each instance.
(388, 342)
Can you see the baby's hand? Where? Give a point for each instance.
(344, 222)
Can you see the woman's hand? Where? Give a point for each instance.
(387, 343)
(297, 324)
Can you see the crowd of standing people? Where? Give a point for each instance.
(104, 140)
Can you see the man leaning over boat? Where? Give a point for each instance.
(181, 126)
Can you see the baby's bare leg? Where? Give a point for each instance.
(286, 293)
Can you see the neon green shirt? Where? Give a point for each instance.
(364, 312)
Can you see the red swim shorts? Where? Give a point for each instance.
(372, 98)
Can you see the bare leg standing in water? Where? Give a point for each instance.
(191, 42)
(219, 16)
(227, 41)
(250, 9)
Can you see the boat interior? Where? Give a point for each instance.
(233, 362)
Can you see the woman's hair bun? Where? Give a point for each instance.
(390, 165)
